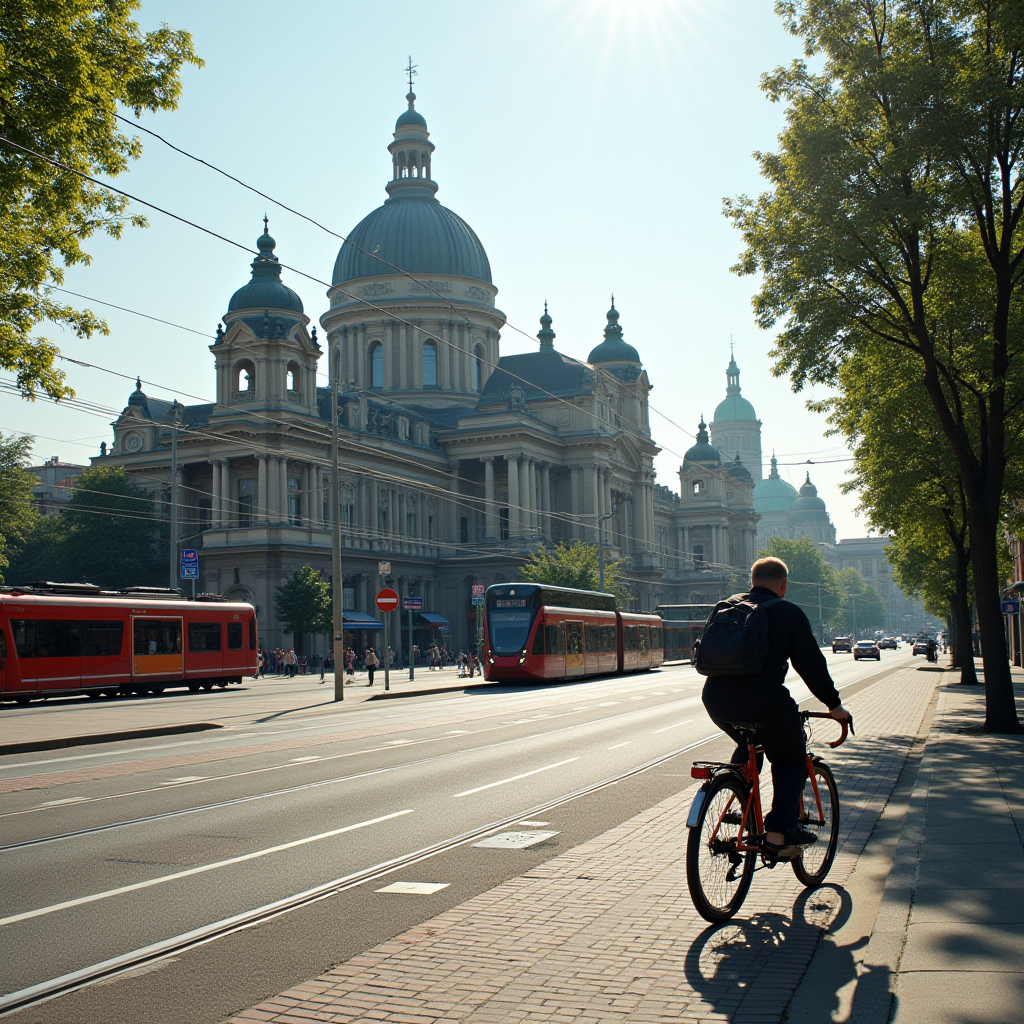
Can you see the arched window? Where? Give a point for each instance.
(698, 487)
(377, 366)
(429, 364)
(245, 376)
(293, 377)
(478, 367)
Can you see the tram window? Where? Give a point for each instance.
(538, 641)
(573, 638)
(24, 631)
(644, 636)
(657, 642)
(157, 636)
(252, 634)
(554, 640)
(3, 650)
(203, 636)
(234, 636)
(46, 638)
(608, 639)
(102, 639)
(630, 640)
(591, 636)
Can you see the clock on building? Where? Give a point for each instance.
(132, 442)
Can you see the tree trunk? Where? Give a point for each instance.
(963, 652)
(1000, 709)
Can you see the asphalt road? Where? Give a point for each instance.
(106, 851)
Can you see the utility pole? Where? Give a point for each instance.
(338, 594)
(600, 546)
(173, 518)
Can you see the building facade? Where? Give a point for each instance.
(457, 462)
(56, 480)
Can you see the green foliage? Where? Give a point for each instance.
(107, 534)
(303, 604)
(810, 578)
(17, 512)
(861, 610)
(925, 566)
(573, 565)
(65, 68)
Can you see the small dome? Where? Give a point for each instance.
(734, 407)
(137, 397)
(703, 450)
(266, 289)
(809, 500)
(545, 335)
(737, 471)
(773, 494)
(613, 349)
(411, 116)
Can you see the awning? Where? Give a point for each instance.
(432, 619)
(360, 620)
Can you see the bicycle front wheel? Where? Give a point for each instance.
(718, 874)
(813, 864)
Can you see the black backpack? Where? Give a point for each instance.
(735, 638)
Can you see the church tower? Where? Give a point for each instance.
(735, 428)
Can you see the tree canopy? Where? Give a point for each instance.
(573, 565)
(894, 220)
(65, 68)
(811, 580)
(304, 604)
(17, 512)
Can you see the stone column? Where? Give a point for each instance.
(318, 497)
(512, 468)
(227, 504)
(545, 499)
(284, 488)
(576, 502)
(525, 498)
(490, 512)
(453, 509)
(215, 494)
(593, 500)
(534, 501)
(305, 490)
(261, 488)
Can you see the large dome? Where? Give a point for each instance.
(415, 234)
(734, 407)
(774, 494)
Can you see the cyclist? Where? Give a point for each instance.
(764, 699)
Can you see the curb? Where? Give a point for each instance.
(106, 737)
(390, 694)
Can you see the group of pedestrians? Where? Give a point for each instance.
(286, 663)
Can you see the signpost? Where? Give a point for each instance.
(412, 604)
(478, 606)
(387, 601)
(190, 567)
(1010, 606)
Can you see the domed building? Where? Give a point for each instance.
(788, 513)
(735, 427)
(455, 461)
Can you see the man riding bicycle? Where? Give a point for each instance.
(763, 698)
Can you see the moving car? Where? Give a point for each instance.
(920, 647)
(888, 643)
(842, 643)
(866, 649)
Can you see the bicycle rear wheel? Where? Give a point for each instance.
(813, 864)
(718, 874)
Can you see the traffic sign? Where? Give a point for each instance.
(386, 600)
(189, 564)
(1011, 606)
(412, 604)
(478, 589)
(478, 600)
(384, 568)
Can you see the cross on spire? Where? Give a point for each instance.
(410, 70)
(266, 225)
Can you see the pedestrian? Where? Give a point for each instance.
(290, 662)
(323, 666)
(371, 664)
(735, 693)
(350, 665)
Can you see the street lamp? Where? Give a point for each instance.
(173, 523)
(338, 592)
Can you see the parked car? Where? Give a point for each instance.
(866, 649)
(920, 647)
(842, 643)
(888, 643)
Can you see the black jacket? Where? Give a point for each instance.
(790, 640)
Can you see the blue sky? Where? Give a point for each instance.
(588, 142)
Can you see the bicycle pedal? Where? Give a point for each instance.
(732, 818)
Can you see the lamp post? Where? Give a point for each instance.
(173, 517)
(338, 594)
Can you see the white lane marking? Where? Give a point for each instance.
(533, 824)
(514, 840)
(658, 693)
(66, 800)
(202, 869)
(642, 696)
(665, 728)
(607, 703)
(396, 743)
(515, 778)
(308, 757)
(617, 745)
(457, 732)
(416, 888)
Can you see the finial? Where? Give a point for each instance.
(613, 300)
(138, 383)
(545, 334)
(410, 70)
(266, 225)
(732, 349)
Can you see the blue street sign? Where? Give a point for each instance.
(1011, 606)
(412, 604)
(189, 564)
(477, 600)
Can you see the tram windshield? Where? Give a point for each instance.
(510, 613)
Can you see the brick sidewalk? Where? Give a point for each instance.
(607, 932)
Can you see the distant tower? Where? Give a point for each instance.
(735, 427)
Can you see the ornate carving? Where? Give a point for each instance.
(377, 288)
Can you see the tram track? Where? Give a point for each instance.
(154, 952)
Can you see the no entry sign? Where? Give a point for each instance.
(386, 600)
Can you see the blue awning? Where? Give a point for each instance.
(360, 620)
(432, 619)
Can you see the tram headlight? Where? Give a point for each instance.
(522, 656)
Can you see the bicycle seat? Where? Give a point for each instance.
(750, 727)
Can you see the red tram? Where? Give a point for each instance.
(533, 631)
(65, 639)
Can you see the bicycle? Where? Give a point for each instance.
(727, 828)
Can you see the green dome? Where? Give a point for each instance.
(734, 407)
(809, 500)
(411, 117)
(613, 349)
(703, 450)
(737, 471)
(773, 494)
(266, 289)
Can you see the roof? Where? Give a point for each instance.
(773, 494)
(703, 451)
(538, 374)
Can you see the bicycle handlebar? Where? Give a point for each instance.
(847, 725)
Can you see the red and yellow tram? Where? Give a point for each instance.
(67, 639)
(533, 631)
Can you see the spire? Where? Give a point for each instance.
(545, 334)
(612, 330)
(732, 372)
(702, 431)
(411, 150)
(266, 264)
(774, 474)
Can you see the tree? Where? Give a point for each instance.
(861, 609)
(304, 604)
(107, 535)
(17, 511)
(65, 67)
(894, 220)
(813, 582)
(574, 565)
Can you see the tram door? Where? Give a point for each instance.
(157, 647)
(3, 662)
(574, 648)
